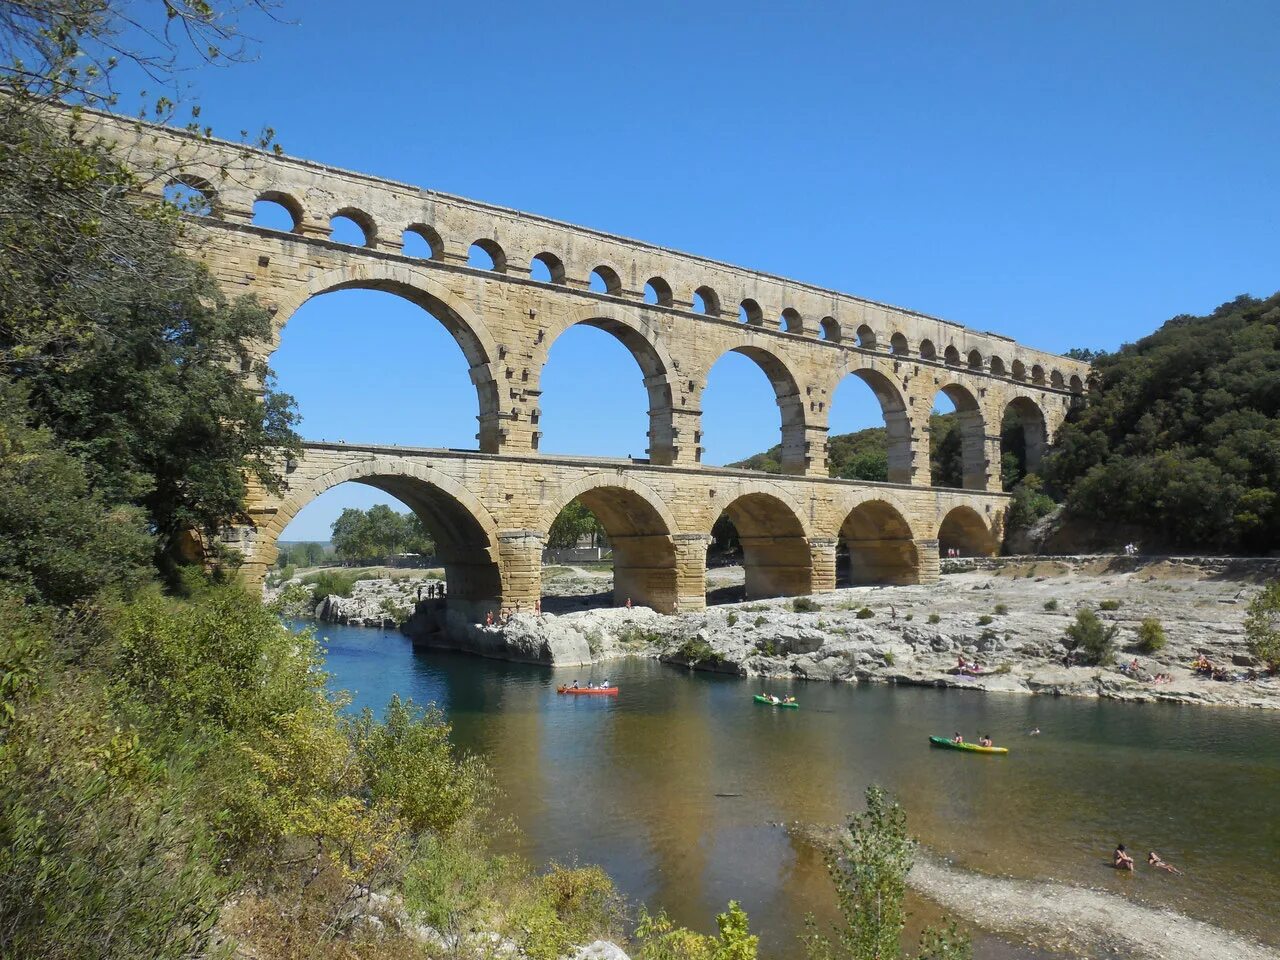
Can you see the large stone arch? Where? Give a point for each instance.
(964, 530)
(879, 378)
(419, 287)
(643, 340)
(775, 539)
(640, 529)
(464, 530)
(973, 433)
(787, 393)
(880, 542)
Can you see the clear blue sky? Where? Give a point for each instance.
(1066, 173)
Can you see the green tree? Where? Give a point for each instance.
(1181, 434)
(573, 523)
(61, 541)
(1262, 625)
(1092, 637)
(869, 870)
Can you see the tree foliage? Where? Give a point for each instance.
(1181, 433)
(574, 523)
(1262, 625)
(374, 535)
(1094, 639)
(869, 870)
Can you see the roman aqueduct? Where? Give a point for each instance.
(490, 509)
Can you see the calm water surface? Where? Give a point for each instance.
(676, 786)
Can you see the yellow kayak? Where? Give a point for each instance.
(971, 747)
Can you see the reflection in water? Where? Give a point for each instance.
(676, 786)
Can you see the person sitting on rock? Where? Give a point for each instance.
(1153, 859)
(1121, 860)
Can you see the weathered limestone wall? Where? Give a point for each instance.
(677, 314)
(806, 339)
(491, 515)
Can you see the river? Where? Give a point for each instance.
(677, 785)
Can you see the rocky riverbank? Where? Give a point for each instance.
(1009, 616)
(1060, 917)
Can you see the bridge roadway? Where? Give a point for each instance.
(490, 515)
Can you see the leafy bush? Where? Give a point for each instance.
(1109, 605)
(889, 658)
(1002, 609)
(805, 605)
(866, 613)
(909, 616)
(1051, 605)
(696, 651)
(984, 620)
(324, 583)
(409, 766)
(935, 618)
(1151, 636)
(1262, 626)
(658, 938)
(1028, 504)
(1089, 636)
(869, 870)
(761, 620)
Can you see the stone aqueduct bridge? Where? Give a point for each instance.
(677, 314)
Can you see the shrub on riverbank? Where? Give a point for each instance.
(1151, 636)
(869, 869)
(1262, 626)
(1091, 638)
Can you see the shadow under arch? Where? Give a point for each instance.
(643, 341)
(419, 288)
(787, 395)
(639, 526)
(1025, 419)
(972, 427)
(897, 422)
(775, 548)
(880, 544)
(465, 534)
(964, 530)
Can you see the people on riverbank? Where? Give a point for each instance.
(1121, 860)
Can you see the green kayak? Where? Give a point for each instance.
(760, 699)
(971, 747)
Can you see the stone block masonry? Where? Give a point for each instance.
(677, 314)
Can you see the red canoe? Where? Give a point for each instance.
(598, 691)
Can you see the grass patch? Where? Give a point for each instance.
(866, 613)
(805, 605)
(984, 620)
(934, 618)
(1051, 605)
(1001, 609)
(1109, 605)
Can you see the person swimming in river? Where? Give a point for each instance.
(1153, 860)
(1121, 860)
